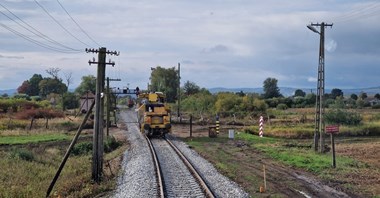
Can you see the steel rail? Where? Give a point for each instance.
(193, 171)
(158, 169)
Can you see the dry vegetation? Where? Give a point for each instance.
(30, 158)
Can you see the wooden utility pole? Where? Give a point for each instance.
(179, 92)
(319, 106)
(109, 104)
(98, 148)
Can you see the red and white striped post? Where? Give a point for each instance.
(261, 126)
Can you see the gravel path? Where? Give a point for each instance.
(138, 177)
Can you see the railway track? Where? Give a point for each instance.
(172, 179)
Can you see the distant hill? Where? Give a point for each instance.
(289, 91)
(234, 90)
(10, 92)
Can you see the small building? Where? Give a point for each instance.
(85, 101)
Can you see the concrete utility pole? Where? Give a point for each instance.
(98, 148)
(319, 107)
(109, 104)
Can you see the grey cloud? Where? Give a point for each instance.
(216, 49)
(12, 57)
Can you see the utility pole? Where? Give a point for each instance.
(319, 107)
(109, 105)
(97, 147)
(179, 92)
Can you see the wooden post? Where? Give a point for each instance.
(191, 125)
(333, 150)
(108, 107)
(69, 150)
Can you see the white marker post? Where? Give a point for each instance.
(261, 126)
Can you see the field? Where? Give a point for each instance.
(357, 173)
(30, 159)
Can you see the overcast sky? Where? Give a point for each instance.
(219, 43)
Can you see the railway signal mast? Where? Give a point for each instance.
(319, 107)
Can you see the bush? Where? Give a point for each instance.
(65, 125)
(82, 148)
(22, 154)
(111, 144)
(344, 117)
(282, 106)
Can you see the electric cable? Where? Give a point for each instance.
(35, 41)
(56, 21)
(84, 32)
(360, 13)
(35, 31)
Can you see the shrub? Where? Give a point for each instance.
(22, 154)
(68, 125)
(339, 116)
(282, 106)
(82, 148)
(111, 144)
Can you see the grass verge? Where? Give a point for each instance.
(240, 160)
(26, 139)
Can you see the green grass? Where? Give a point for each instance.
(300, 157)
(26, 139)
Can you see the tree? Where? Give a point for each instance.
(377, 96)
(34, 82)
(240, 93)
(354, 96)
(88, 84)
(31, 86)
(50, 85)
(53, 71)
(363, 95)
(190, 88)
(68, 78)
(166, 81)
(24, 88)
(299, 92)
(70, 101)
(270, 88)
(311, 99)
(336, 93)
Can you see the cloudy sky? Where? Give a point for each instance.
(219, 43)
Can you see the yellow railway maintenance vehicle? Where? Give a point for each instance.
(154, 114)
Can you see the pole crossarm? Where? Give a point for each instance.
(320, 24)
(98, 50)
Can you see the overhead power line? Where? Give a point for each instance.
(370, 10)
(84, 32)
(35, 41)
(56, 21)
(33, 30)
